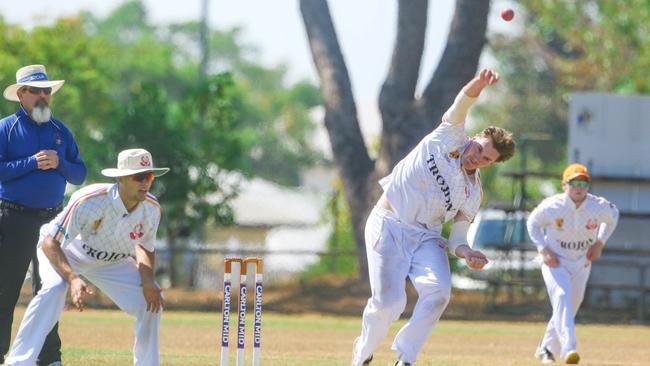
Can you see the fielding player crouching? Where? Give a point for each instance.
(106, 234)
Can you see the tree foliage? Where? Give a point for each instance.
(132, 84)
(595, 44)
(564, 46)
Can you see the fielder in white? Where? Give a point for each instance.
(570, 231)
(106, 234)
(436, 182)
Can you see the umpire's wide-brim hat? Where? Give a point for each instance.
(32, 75)
(134, 161)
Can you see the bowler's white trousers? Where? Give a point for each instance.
(118, 280)
(566, 285)
(396, 251)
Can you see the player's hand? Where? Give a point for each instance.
(47, 159)
(475, 259)
(488, 76)
(153, 295)
(595, 251)
(78, 289)
(549, 257)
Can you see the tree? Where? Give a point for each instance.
(131, 84)
(564, 46)
(203, 127)
(406, 117)
(279, 113)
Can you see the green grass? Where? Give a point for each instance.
(105, 337)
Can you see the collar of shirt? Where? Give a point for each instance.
(22, 114)
(116, 201)
(567, 201)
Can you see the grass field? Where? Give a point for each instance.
(105, 337)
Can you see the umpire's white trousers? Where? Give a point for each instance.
(118, 280)
(396, 251)
(566, 285)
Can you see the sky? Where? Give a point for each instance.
(365, 29)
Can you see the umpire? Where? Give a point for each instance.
(38, 155)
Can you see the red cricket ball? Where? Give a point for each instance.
(507, 14)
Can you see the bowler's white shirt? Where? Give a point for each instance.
(96, 222)
(568, 231)
(428, 187)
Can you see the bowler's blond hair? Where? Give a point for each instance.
(502, 142)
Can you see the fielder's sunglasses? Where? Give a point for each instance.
(140, 177)
(37, 91)
(578, 183)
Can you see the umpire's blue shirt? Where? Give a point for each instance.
(20, 179)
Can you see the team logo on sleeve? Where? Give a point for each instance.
(591, 224)
(137, 232)
(559, 222)
(454, 154)
(62, 230)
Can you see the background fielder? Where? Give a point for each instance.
(98, 234)
(570, 231)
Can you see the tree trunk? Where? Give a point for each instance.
(352, 159)
(406, 119)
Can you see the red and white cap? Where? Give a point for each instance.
(134, 161)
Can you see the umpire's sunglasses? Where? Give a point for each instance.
(37, 91)
(141, 177)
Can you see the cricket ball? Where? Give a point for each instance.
(507, 14)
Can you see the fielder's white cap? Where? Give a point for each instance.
(134, 161)
(32, 75)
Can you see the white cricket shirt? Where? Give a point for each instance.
(568, 231)
(96, 223)
(428, 187)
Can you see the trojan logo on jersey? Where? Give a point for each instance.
(559, 222)
(442, 183)
(103, 255)
(454, 154)
(591, 224)
(576, 245)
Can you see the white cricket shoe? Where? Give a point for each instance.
(401, 363)
(354, 353)
(544, 355)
